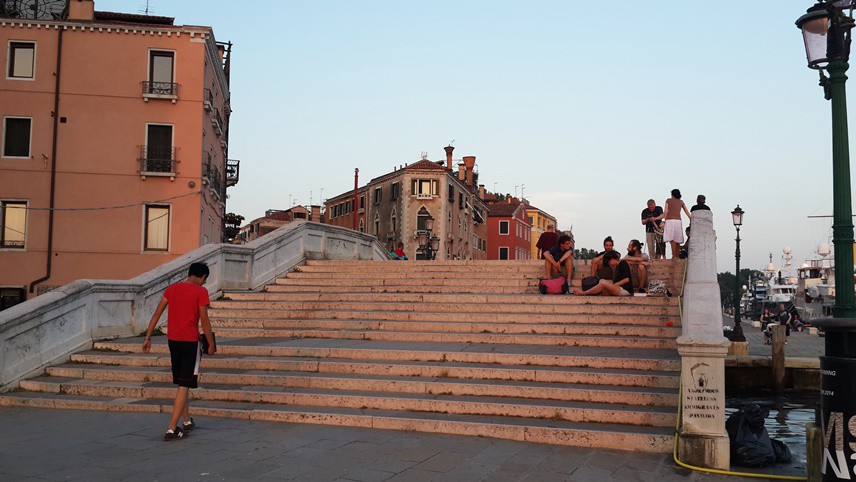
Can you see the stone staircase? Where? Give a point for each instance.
(459, 347)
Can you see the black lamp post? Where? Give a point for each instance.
(427, 243)
(737, 332)
(826, 30)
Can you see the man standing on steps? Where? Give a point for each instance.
(188, 304)
(546, 241)
(650, 217)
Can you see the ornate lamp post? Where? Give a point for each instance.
(427, 243)
(826, 32)
(737, 333)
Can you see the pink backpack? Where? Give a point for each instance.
(553, 286)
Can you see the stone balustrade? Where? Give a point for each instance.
(48, 329)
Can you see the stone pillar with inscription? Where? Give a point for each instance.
(703, 440)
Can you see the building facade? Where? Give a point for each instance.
(275, 219)
(114, 147)
(539, 220)
(509, 232)
(396, 206)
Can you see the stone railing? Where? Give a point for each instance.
(50, 327)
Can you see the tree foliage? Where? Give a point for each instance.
(727, 281)
(584, 253)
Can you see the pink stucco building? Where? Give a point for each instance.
(120, 124)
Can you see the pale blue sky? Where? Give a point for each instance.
(594, 106)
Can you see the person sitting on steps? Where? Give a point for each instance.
(559, 257)
(598, 267)
(638, 265)
(619, 285)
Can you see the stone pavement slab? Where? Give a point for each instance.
(41, 444)
(800, 344)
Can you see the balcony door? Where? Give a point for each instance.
(159, 148)
(161, 69)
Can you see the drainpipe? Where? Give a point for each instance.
(356, 183)
(53, 164)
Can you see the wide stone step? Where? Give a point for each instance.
(420, 289)
(384, 383)
(472, 317)
(406, 281)
(309, 272)
(534, 355)
(467, 372)
(414, 402)
(452, 327)
(558, 432)
(612, 341)
(563, 309)
(530, 299)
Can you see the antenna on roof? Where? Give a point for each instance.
(147, 10)
(452, 143)
(424, 155)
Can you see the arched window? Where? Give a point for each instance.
(376, 225)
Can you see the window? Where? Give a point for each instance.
(362, 202)
(362, 226)
(394, 189)
(503, 227)
(423, 187)
(451, 193)
(16, 136)
(10, 297)
(161, 73)
(378, 192)
(22, 60)
(503, 252)
(460, 200)
(158, 154)
(156, 236)
(376, 225)
(13, 215)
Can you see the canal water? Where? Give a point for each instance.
(789, 414)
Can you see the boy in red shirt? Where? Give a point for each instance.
(188, 304)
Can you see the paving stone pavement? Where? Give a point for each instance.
(800, 344)
(43, 444)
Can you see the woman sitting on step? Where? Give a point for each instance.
(621, 283)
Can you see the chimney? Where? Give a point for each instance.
(470, 163)
(461, 172)
(315, 213)
(81, 10)
(481, 191)
(449, 150)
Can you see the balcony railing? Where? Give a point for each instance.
(233, 168)
(208, 100)
(215, 179)
(160, 90)
(9, 244)
(158, 161)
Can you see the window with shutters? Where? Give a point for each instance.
(13, 219)
(17, 133)
(21, 61)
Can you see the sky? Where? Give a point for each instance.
(594, 107)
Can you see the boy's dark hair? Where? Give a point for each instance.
(400, 244)
(200, 270)
(700, 199)
(676, 193)
(610, 255)
(608, 239)
(636, 244)
(563, 239)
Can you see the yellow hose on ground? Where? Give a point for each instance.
(678, 422)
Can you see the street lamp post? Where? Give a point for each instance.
(826, 32)
(428, 243)
(737, 333)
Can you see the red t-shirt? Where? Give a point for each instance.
(182, 321)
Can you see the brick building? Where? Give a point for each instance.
(509, 232)
(396, 205)
(275, 219)
(122, 112)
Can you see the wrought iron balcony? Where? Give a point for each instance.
(158, 161)
(160, 90)
(233, 168)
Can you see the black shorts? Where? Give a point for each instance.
(185, 363)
